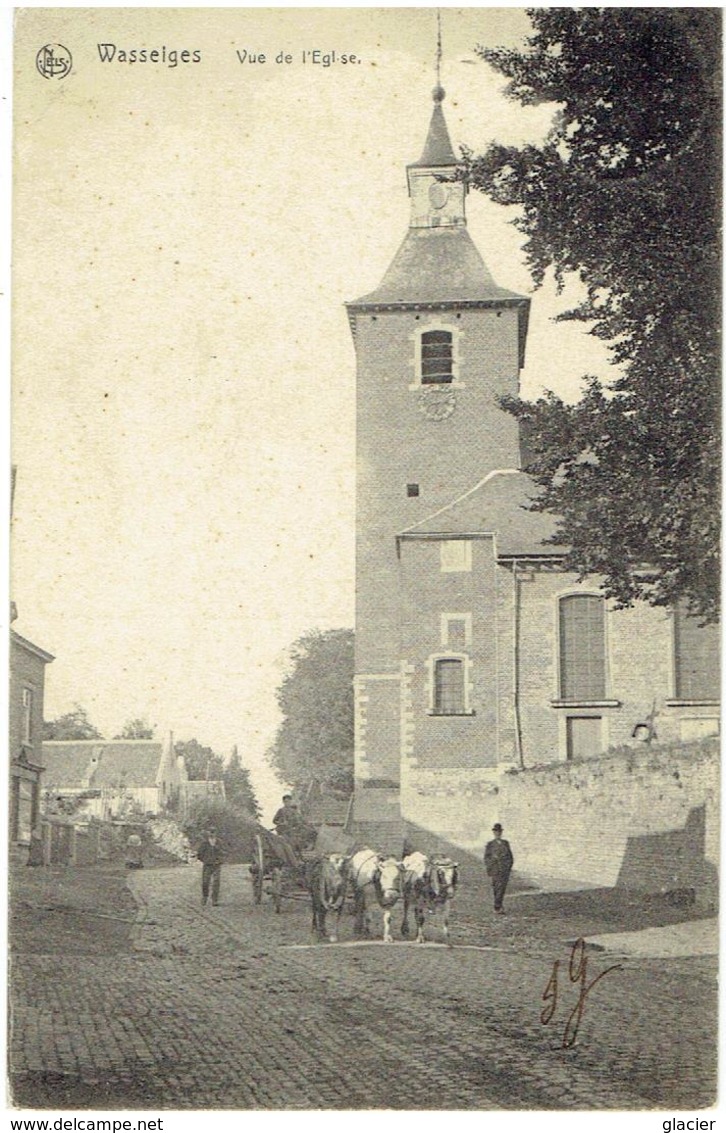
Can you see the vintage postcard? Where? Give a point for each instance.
(364, 651)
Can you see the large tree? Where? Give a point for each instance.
(73, 725)
(315, 739)
(238, 789)
(624, 195)
(201, 762)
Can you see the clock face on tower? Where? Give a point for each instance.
(438, 195)
(437, 402)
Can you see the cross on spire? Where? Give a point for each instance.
(438, 48)
(438, 91)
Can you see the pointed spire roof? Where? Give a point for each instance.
(438, 264)
(438, 149)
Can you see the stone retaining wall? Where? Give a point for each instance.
(643, 818)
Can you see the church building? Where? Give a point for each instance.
(476, 653)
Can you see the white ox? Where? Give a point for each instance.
(428, 883)
(370, 871)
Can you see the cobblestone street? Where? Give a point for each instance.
(232, 1007)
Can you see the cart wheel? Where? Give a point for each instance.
(258, 869)
(276, 887)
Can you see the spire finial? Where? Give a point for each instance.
(438, 92)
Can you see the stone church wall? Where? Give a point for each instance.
(377, 728)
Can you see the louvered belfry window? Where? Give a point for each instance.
(698, 675)
(449, 687)
(582, 647)
(437, 358)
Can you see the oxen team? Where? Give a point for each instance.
(422, 883)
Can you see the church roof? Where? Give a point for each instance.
(437, 265)
(498, 506)
(438, 149)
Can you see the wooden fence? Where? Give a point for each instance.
(64, 842)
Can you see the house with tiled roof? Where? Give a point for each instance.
(111, 778)
(477, 652)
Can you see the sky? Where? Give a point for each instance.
(183, 376)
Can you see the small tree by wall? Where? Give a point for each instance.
(238, 786)
(137, 729)
(201, 762)
(235, 829)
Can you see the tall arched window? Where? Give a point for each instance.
(582, 647)
(437, 357)
(698, 675)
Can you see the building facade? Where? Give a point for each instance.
(25, 734)
(475, 652)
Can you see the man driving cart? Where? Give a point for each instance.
(294, 833)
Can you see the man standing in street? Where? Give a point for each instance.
(211, 856)
(498, 862)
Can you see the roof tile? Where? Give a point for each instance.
(129, 763)
(437, 265)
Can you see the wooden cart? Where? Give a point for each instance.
(279, 867)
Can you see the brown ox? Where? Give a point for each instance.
(327, 882)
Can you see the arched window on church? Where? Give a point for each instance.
(697, 661)
(437, 357)
(582, 648)
(449, 688)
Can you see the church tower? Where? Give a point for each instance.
(437, 344)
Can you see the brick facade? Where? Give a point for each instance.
(455, 579)
(455, 762)
(398, 445)
(429, 595)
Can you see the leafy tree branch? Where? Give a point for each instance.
(624, 194)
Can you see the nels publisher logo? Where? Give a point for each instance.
(54, 61)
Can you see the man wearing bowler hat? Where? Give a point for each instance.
(211, 855)
(498, 862)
